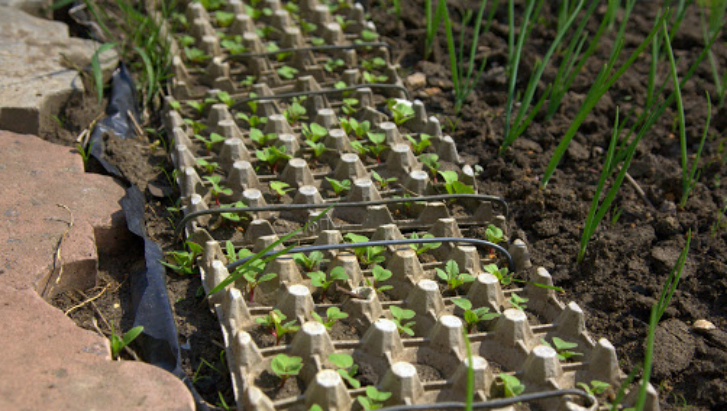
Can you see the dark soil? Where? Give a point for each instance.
(628, 261)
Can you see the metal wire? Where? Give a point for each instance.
(499, 403)
(291, 207)
(242, 56)
(479, 243)
(281, 96)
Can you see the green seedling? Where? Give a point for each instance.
(210, 142)
(84, 153)
(345, 368)
(273, 156)
(234, 217)
(208, 166)
(319, 279)
(197, 126)
(349, 106)
(453, 185)
(254, 278)
(368, 36)
(253, 120)
(186, 40)
(333, 314)
(195, 55)
(596, 388)
(383, 182)
(274, 321)
(224, 18)
(379, 274)
(119, 342)
(355, 127)
(713, 18)
(248, 81)
(689, 177)
(212, 5)
(401, 316)
(313, 132)
(423, 248)
(473, 317)
(311, 261)
(379, 144)
(374, 398)
(333, 64)
(287, 72)
(431, 161)
(339, 186)
(183, 262)
(318, 148)
(221, 97)
(376, 63)
(372, 78)
(280, 188)
(233, 46)
(366, 255)
(96, 70)
(518, 302)
(307, 26)
(502, 274)
(260, 138)
(419, 146)
(452, 276)
(285, 367)
(197, 377)
(317, 41)
(512, 385)
(217, 189)
(198, 106)
(294, 113)
(401, 110)
(494, 234)
(563, 348)
(657, 311)
(360, 148)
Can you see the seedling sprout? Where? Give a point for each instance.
(473, 317)
(274, 321)
(452, 276)
(285, 367)
(319, 279)
(374, 398)
(333, 314)
(346, 368)
(400, 316)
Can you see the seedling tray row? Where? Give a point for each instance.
(291, 118)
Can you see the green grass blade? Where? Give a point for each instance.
(680, 108)
(514, 61)
(599, 88)
(695, 165)
(589, 228)
(510, 136)
(452, 50)
(96, 71)
(150, 74)
(657, 312)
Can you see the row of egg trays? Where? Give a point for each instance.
(256, 59)
(352, 215)
(512, 342)
(402, 260)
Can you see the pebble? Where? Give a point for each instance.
(416, 80)
(703, 325)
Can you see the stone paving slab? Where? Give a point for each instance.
(39, 64)
(48, 362)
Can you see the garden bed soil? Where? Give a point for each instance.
(627, 262)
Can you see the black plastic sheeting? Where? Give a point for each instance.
(150, 301)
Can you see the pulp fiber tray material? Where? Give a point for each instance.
(338, 60)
